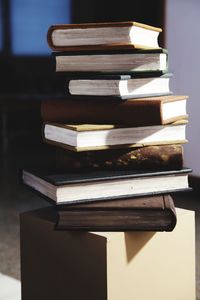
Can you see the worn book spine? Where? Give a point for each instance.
(156, 213)
(163, 157)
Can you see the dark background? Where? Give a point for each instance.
(28, 78)
(33, 74)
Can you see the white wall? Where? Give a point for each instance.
(182, 33)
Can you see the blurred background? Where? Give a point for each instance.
(27, 77)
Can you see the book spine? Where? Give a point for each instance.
(115, 220)
(163, 157)
(169, 205)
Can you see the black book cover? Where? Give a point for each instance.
(115, 76)
(96, 52)
(91, 176)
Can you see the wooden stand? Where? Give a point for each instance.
(106, 266)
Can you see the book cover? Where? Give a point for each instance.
(133, 112)
(155, 213)
(110, 35)
(118, 76)
(75, 187)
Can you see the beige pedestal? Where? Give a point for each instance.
(68, 265)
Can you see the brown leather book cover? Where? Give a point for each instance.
(155, 213)
(107, 44)
(161, 157)
(133, 112)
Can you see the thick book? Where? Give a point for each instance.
(154, 213)
(110, 35)
(88, 137)
(132, 112)
(119, 86)
(155, 158)
(76, 187)
(118, 61)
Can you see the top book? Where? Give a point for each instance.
(102, 36)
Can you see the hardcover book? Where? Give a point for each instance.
(67, 188)
(110, 35)
(155, 213)
(117, 61)
(132, 112)
(88, 137)
(119, 86)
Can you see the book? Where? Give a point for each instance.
(110, 35)
(120, 86)
(132, 112)
(154, 213)
(76, 187)
(118, 61)
(160, 157)
(88, 137)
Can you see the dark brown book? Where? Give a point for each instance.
(110, 35)
(133, 112)
(161, 157)
(156, 213)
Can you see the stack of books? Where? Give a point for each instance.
(119, 131)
